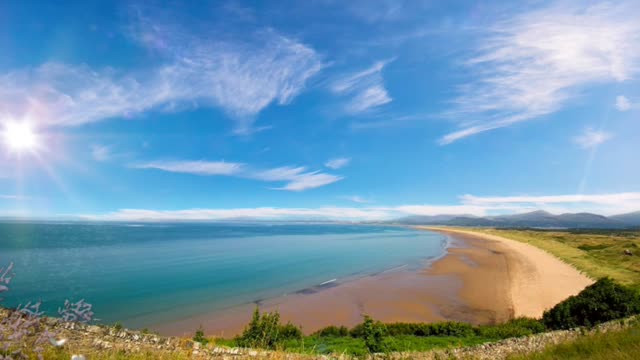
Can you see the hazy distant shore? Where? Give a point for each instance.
(482, 279)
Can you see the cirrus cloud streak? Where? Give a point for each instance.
(241, 77)
(534, 64)
(295, 178)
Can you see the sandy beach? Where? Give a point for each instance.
(536, 279)
(483, 279)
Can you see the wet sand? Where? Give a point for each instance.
(481, 280)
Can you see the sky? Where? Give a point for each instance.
(320, 109)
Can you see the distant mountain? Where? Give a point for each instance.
(534, 219)
(631, 219)
(428, 219)
(470, 221)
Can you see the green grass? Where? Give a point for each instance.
(406, 337)
(619, 345)
(597, 253)
(356, 346)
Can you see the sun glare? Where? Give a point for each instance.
(19, 137)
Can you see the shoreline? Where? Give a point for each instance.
(482, 279)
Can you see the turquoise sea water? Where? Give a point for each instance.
(141, 274)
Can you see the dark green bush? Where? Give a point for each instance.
(600, 302)
(265, 331)
(290, 331)
(374, 334)
(199, 336)
(513, 328)
(333, 331)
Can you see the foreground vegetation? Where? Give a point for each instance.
(603, 301)
(374, 336)
(597, 253)
(617, 345)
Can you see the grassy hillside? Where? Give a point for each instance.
(622, 345)
(598, 253)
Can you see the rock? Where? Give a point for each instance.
(94, 329)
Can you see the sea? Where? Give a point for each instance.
(140, 274)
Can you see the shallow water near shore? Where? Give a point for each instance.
(144, 274)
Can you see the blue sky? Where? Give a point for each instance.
(318, 109)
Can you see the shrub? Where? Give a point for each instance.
(448, 328)
(265, 331)
(374, 334)
(290, 331)
(513, 328)
(600, 302)
(199, 336)
(333, 331)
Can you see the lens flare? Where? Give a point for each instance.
(20, 137)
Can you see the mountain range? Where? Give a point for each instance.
(534, 219)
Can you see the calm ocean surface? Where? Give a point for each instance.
(145, 274)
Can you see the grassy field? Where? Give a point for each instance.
(622, 345)
(597, 253)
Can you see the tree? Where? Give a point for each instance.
(374, 334)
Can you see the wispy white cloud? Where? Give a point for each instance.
(533, 64)
(295, 178)
(357, 199)
(591, 138)
(242, 78)
(58, 94)
(263, 213)
(365, 88)
(607, 204)
(622, 103)
(101, 153)
(194, 167)
(337, 163)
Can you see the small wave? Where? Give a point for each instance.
(395, 268)
(328, 282)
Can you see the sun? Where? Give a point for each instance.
(20, 137)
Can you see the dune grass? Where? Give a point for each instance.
(597, 253)
(618, 345)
